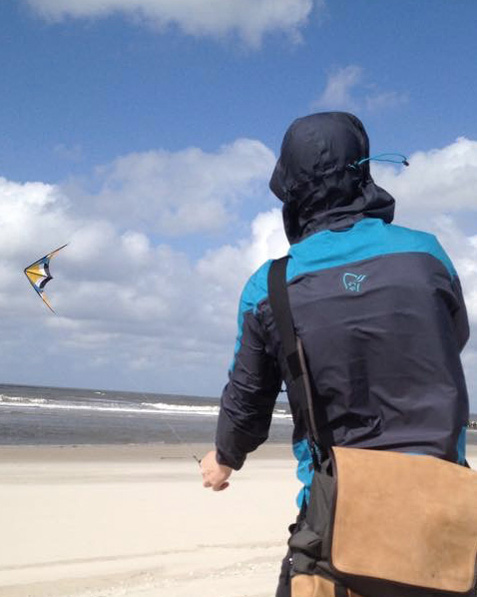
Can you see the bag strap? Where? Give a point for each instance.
(293, 348)
(280, 304)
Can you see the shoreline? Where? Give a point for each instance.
(150, 452)
(147, 452)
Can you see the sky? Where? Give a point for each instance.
(143, 133)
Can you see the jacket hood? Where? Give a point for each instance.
(319, 181)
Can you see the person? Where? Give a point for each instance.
(378, 307)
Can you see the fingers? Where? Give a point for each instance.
(214, 481)
(216, 487)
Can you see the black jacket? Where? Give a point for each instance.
(378, 307)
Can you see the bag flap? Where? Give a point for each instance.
(405, 518)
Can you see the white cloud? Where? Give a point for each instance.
(136, 314)
(338, 91)
(131, 312)
(185, 192)
(347, 89)
(227, 268)
(250, 19)
(384, 100)
(151, 314)
(436, 188)
(31, 215)
(440, 180)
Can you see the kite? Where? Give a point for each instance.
(38, 274)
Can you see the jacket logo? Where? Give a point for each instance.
(352, 282)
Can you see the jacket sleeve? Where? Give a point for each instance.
(249, 397)
(458, 308)
(461, 321)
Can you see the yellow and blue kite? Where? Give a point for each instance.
(38, 274)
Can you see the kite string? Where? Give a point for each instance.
(186, 444)
(182, 442)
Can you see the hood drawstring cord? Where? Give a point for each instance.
(381, 157)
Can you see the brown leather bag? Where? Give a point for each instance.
(398, 520)
(405, 518)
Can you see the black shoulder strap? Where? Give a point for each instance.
(293, 348)
(280, 304)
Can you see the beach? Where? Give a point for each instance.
(134, 521)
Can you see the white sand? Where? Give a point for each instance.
(136, 522)
(129, 524)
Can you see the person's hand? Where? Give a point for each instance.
(214, 475)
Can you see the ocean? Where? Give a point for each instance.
(66, 416)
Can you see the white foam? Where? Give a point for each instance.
(83, 407)
(20, 400)
(187, 409)
(156, 408)
(144, 408)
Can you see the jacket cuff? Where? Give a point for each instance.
(227, 459)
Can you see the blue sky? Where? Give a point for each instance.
(110, 86)
(103, 105)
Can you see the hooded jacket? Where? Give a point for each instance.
(378, 307)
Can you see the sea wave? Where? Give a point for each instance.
(34, 403)
(188, 409)
(19, 400)
(155, 408)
